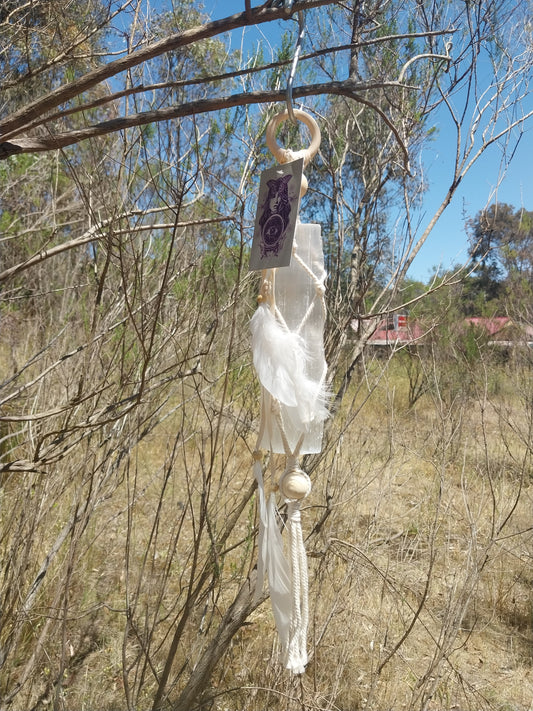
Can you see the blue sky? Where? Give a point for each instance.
(447, 244)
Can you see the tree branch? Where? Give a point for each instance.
(238, 73)
(95, 234)
(61, 140)
(19, 120)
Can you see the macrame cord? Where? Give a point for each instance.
(288, 355)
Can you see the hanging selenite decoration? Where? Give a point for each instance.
(288, 354)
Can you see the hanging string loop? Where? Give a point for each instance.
(298, 49)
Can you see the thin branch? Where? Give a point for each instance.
(426, 55)
(95, 234)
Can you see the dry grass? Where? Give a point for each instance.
(421, 579)
(420, 573)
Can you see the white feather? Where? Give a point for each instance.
(280, 360)
(279, 575)
(272, 561)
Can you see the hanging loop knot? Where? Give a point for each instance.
(294, 484)
(293, 512)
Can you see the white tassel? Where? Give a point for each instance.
(296, 653)
(295, 485)
(287, 582)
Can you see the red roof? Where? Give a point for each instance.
(383, 336)
(414, 331)
(492, 325)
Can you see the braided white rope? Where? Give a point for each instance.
(296, 654)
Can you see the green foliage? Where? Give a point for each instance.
(501, 243)
(283, 53)
(36, 33)
(501, 239)
(200, 60)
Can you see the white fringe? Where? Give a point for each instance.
(272, 561)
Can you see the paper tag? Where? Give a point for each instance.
(277, 210)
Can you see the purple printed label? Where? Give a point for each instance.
(278, 202)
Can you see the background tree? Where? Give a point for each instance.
(501, 240)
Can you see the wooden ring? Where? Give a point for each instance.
(284, 155)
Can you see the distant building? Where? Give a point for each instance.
(398, 330)
(502, 330)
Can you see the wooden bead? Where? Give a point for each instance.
(295, 484)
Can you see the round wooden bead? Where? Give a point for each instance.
(295, 484)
